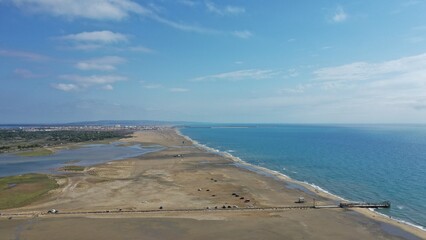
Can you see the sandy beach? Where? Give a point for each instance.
(186, 192)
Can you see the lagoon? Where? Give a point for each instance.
(86, 155)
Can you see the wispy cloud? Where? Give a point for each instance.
(184, 27)
(25, 73)
(23, 55)
(141, 49)
(416, 39)
(108, 87)
(249, 74)
(365, 71)
(189, 3)
(108, 63)
(417, 34)
(94, 40)
(227, 10)
(111, 10)
(153, 86)
(340, 15)
(105, 37)
(243, 34)
(291, 73)
(396, 85)
(178, 90)
(408, 3)
(300, 88)
(97, 10)
(87, 46)
(66, 87)
(386, 91)
(84, 82)
(199, 29)
(94, 79)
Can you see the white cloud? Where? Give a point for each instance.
(110, 10)
(153, 86)
(141, 49)
(184, 27)
(227, 10)
(94, 79)
(105, 37)
(340, 15)
(234, 10)
(86, 46)
(298, 89)
(84, 82)
(23, 55)
(90, 9)
(66, 87)
(243, 34)
(178, 90)
(156, 8)
(108, 87)
(249, 74)
(199, 29)
(379, 89)
(291, 73)
(108, 63)
(365, 71)
(388, 91)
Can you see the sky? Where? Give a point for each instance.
(233, 61)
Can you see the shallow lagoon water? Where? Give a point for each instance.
(86, 155)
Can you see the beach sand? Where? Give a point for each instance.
(185, 177)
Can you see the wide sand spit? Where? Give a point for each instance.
(187, 192)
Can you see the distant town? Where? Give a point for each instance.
(83, 128)
(35, 140)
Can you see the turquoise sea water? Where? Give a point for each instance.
(358, 163)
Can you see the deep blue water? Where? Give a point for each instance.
(359, 163)
(87, 155)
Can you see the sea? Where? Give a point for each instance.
(369, 163)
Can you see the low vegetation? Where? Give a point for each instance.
(18, 191)
(73, 168)
(20, 140)
(36, 153)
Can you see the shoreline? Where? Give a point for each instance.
(164, 185)
(310, 186)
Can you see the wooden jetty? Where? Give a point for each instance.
(385, 204)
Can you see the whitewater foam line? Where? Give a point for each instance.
(265, 170)
(398, 220)
(282, 176)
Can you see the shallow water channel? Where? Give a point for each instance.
(86, 155)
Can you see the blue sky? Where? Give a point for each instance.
(213, 61)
